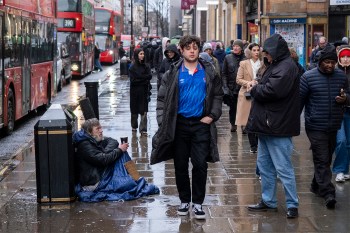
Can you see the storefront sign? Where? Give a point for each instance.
(253, 28)
(288, 21)
(339, 2)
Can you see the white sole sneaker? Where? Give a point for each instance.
(184, 210)
(181, 213)
(340, 178)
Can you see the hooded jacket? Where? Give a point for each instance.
(317, 94)
(167, 108)
(93, 157)
(275, 106)
(166, 63)
(220, 55)
(159, 54)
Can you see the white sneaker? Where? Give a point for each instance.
(340, 178)
(183, 209)
(346, 177)
(198, 211)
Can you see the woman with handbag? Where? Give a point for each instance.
(247, 72)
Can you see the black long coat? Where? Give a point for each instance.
(140, 76)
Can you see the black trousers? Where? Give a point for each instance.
(192, 139)
(323, 145)
(253, 140)
(233, 109)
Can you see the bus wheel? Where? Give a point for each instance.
(10, 112)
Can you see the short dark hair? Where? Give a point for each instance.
(187, 40)
(89, 124)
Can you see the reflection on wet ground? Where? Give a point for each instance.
(231, 186)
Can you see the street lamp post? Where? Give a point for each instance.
(131, 24)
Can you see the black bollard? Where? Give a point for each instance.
(92, 94)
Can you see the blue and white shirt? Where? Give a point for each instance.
(192, 91)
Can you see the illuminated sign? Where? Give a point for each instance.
(69, 23)
(288, 21)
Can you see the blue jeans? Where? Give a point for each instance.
(342, 150)
(98, 64)
(274, 158)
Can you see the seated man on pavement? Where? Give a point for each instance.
(105, 170)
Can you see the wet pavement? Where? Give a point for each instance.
(231, 185)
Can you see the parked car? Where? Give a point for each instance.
(64, 73)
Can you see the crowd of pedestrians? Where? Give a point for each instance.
(266, 90)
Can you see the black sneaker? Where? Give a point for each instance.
(330, 202)
(183, 209)
(292, 213)
(253, 150)
(198, 211)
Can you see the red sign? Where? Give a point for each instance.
(253, 28)
(185, 5)
(192, 2)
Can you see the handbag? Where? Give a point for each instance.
(247, 95)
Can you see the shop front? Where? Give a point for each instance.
(293, 31)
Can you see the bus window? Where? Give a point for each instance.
(68, 6)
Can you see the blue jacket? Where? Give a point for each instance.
(317, 93)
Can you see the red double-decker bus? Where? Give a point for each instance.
(76, 27)
(27, 42)
(108, 28)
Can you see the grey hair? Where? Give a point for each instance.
(89, 124)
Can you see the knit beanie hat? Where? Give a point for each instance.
(328, 53)
(239, 43)
(207, 46)
(206, 57)
(344, 52)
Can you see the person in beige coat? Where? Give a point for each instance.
(247, 72)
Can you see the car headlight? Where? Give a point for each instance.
(75, 67)
(110, 52)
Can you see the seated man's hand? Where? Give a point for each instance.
(124, 147)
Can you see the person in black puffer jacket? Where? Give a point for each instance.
(140, 86)
(275, 118)
(323, 92)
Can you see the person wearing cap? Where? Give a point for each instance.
(209, 50)
(345, 40)
(275, 118)
(342, 149)
(229, 74)
(323, 94)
